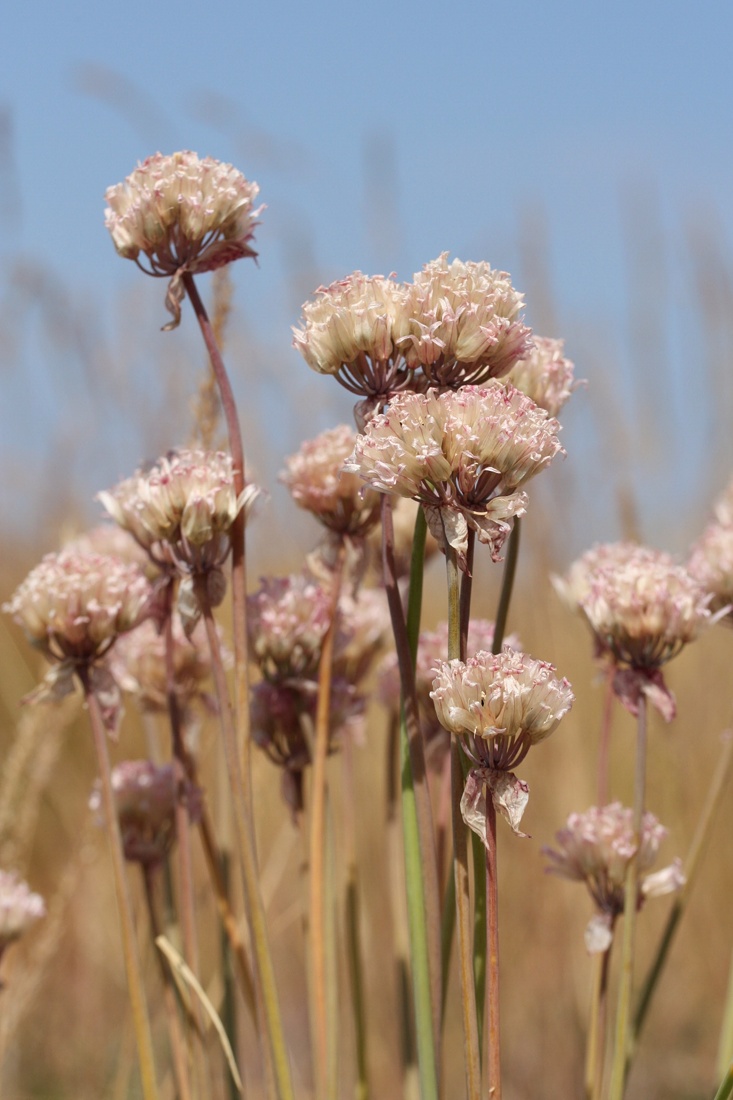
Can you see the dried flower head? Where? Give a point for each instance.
(711, 564)
(287, 619)
(596, 847)
(19, 908)
(465, 323)
(184, 215)
(462, 455)
(318, 482)
(145, 802)
(353, 330)
(545, 375)
(643, 608)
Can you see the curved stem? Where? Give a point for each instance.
(141, 1022)
(631, 897)
(276, 1058)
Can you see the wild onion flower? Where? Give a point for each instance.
(318, 482)
(181, 511)
(498, 706)
(711, 564)
(545, 375)
(287, 618)
(138, 665)
(19, 908)
(596, 847)
(145, 801)
(113, 541)
(353, 331)
(465, 323)
(464, 456)
(179, 214)
(73, 607)
(575, 586)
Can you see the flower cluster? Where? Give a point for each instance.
(19, 908)
(138, 663)
(545, 375)
(318, 482)
(463, 456)
(596, 847)
(184, 214)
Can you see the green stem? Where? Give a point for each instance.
(275, 1052)
(631, 899)
(726, 1086)
(141, 1022)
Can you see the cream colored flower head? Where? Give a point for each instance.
(500, 705)
(73, 606)
(317, 480)
(465, 323)
(596, 847)
(182, 214)
(138, 664)
(19, 908)
(463, 455)
(644, 609)
(575, 586)
(545, 375)
(353, 330)
(711, 564)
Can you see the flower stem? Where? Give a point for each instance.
(631, 897)
(237, 535)
(507, 586)
(275, 1052)
(141, 1022)
(464, 923)
(604, 745)
(353, 925)
(726, 1086)
(595, 1053)
(421, 872)
(492, 951)
(317, 842)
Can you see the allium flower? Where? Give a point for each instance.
(318, 482)
(711, 564)
(462, 455)
(183, 215)
(111, 540)
(138, 665)
(363, 622)
(465, 323)
(431, 651)
(575, 586)
(596, 848)
(19, 908)
(287, 619)
(353, 331)
(545, 375)
(182, 510)
(73, 607)
(498, 706)
(145, 800)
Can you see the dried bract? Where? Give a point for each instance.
(182, 214)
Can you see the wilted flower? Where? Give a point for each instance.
(465, 323)
(711, 564)
(462, 455)
(184, 215)
(318, 482)
(545, 375)
(19, 908)
(353, 331)
(498, 706)
(145, 801)
(596, 848)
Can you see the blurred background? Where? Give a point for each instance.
(584, 149)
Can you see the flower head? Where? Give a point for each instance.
(464, 456)
(711, 564)
(138, 665)
(184, 215)
(19, 908)
(287, 619)
(318, 482)
(353, 330)
(465, 323)
(595, 847)
(545, 375)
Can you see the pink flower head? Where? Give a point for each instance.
(19, 908)
(596, 847)
(465, 323)
(287, 619)
(318, 482)
(711, 564)
(138, 665)
(184, 215)
(463, 456)
(545, 375)
(353, 331)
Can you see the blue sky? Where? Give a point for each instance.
(380, 135)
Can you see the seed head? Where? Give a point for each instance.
(183, 215)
